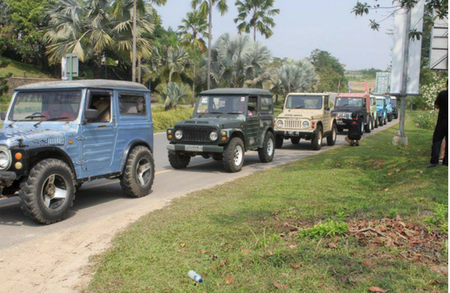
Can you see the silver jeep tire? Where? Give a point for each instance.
(47, 195)
(233, 156)
(267, 152)
(279, 141)
(139, 173)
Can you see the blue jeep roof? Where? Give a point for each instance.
(236, 91)
(88, 83)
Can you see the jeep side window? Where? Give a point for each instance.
(252, 106)
(132, 104)
(102, 104)
(266, 105)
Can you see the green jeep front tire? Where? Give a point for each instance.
(267, 152)
(178, 160)
(47, 195)
(233, 156)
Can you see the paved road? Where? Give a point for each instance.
(101, 198)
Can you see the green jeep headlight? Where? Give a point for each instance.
(213, 136)
(178, 134)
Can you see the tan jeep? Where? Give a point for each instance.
(306, 116)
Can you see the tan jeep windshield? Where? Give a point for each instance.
(303, 102)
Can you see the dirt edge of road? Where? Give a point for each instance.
(60, 261)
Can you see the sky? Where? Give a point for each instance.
(303, 26)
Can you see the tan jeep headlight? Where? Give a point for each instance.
(5, 158)
(280, 123)
(179, 134)
(305, 124)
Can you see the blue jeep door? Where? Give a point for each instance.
(99, 134)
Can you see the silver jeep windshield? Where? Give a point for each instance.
(303, 102)
(46, 106)
(221, 104)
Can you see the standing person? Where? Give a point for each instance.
(441, 129)
(354, 131)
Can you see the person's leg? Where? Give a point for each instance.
(445, 160)
(438, 135)
(347, 139)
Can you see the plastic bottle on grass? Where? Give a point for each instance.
(194, 276)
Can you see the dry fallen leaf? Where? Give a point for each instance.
(297, 266)
(377, 289)
(203, 251)
(182, 245)
(229, 280)
(386, 189)
(279, 286)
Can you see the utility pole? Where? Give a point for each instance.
(133, 55)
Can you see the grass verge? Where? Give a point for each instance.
(353, 219)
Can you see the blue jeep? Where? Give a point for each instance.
(381, 110)
(57, 135)
(389, 110)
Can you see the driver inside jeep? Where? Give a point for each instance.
(55, 111)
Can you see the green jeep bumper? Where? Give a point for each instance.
(195, 148)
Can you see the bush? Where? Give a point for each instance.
(164, 119)
(426, 120)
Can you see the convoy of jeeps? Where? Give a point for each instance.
(58, 135)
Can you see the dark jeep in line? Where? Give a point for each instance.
(226, 123)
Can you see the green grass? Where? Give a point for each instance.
(19, 69)
(292, 228)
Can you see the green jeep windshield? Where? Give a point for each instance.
(221, 104)
(46, 106)
(303, 102)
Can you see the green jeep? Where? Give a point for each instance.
(226, 123)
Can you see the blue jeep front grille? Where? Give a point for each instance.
(196, 134)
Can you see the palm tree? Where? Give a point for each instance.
(194, 26)
(206, 9)
(296, 77)
(238, 60)
(137, 4)
(172, 93)
(171, 60)
(78, 28)
(259, 12)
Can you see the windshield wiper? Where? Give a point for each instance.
(51, 119)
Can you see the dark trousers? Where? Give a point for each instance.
(440, 133)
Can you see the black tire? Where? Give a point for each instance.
(368, 126)
(178, 161)
(340, 129)
(267, 152)
(385, 120)
(316, 141)
(389, 117)
(47, 194)
(376, 123)
(331, 138)
(217, 157)
(139, 173)
(380, 121)
(362, 127)
(233, 156)
(295, 140)
(279, 141)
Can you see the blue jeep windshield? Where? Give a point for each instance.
(221, 104)
(380, 102)
(46, 106)
(303, 102)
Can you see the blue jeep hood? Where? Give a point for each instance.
(31, 137)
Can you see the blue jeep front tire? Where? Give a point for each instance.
(47, 195)
(139, 173)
